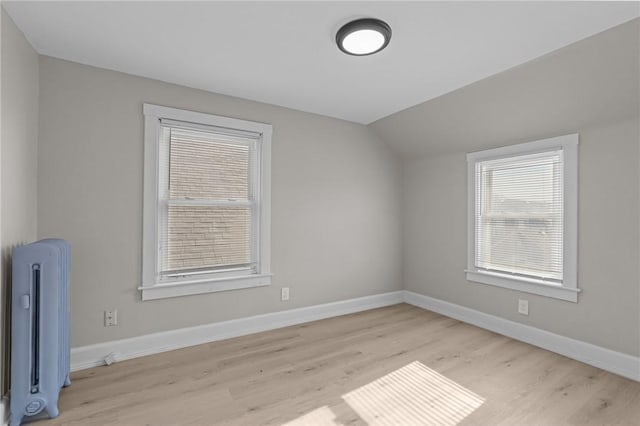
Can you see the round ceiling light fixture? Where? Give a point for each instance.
(363, 37)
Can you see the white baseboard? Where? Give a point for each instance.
(606, 359)
(94, 355)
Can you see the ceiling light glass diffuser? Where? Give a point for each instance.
(363, 37)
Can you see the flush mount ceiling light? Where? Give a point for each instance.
(363, 36)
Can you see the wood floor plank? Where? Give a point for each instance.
(395, 365)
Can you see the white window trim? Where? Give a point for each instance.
(568, 290)
(151, 287)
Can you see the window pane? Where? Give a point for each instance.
(207, 167)
(207, 237)
(525, 246)
(519, 215)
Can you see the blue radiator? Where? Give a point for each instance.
(40, 357)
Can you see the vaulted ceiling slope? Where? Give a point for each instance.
(590, 83)
(284, 53)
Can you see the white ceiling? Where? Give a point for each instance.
(284, 53)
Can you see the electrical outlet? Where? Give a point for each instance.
(523, 306)
(110, 317)
(284, 294)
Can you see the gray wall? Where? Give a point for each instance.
(336, 200)
(18, 153)
(591, 88)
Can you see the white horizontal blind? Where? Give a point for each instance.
(207, 198)
(519, 215)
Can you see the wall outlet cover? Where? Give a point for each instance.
(284, 294)
(110, 317)
(523, 306)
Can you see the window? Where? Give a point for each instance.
(523, 217)
(206, 203)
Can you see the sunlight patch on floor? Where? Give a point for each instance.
(322, 416)
(413, 395)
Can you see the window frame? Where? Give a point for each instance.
(152, 286)
(566, 290)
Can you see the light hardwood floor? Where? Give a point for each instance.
(398, 365)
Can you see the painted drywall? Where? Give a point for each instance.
(591, 82)
(591, 88)
(336, 200)
(18, 153)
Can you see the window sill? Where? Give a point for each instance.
(532, 286)
(187, 288)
